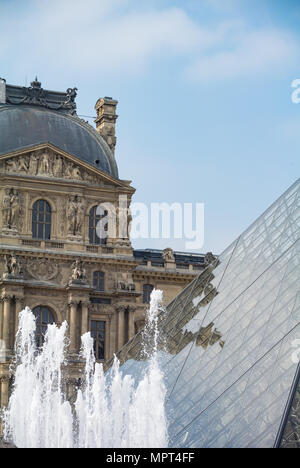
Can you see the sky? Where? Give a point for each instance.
(204, 91)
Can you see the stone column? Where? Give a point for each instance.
(1, 320)
(6, 320)
(19, 308)
(73, 313)
(121, 326)
(4, 391)
(85, 326)
(131, 330)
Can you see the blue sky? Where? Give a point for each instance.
(204, 90)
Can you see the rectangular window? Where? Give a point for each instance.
(98, 334)
(147, 290)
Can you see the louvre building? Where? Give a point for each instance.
(228, 342)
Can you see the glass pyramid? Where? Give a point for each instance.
(227, 341)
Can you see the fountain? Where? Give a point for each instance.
(111, 410)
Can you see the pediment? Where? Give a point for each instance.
(49, 162)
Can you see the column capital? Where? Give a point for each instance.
(121, 308)
(6, 298)
(73, 303)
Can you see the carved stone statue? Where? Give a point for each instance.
(75, 215)
(125, 282)
(11, 165)
(15, 208)
(10, 209)
(23, 164)
(44, 166)
(78, 273)
(13, 267)
(33, 164)
(209, 258)
(168, 255)
(70, 101)
(6, 209)
(58, 166)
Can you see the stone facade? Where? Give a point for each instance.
(58, 272)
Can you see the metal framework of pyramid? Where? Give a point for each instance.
(227, 342)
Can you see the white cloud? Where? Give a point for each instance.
(254, 53)
(119, 36)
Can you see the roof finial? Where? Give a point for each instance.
(36, 83)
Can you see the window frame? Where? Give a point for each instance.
(37, 223)
(96, 339)
(100, 278)
(93, 221)
(41, 326)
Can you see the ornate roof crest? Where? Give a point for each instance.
(35, 95)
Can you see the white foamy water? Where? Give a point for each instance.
(111, 411)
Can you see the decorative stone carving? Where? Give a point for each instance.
(10, 209)
(70, 101)
(78, 273)
(13, 267)
(125, 282)
(33, 164)
(42, 269)
(75, 216)
(57, 166)
(210, 258)
(168, 255)
(47, 163)
(36, 95)
(44, 164)
(23, 164)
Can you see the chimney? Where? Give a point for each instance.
(2, 91)
(106, 120)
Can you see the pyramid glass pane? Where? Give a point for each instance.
(290, 436)
(227, 340)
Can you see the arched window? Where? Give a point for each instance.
(147, 290)
(44, 317)
(41, 220)
(98, 280)
(93, 221)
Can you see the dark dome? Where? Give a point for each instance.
(26, 126)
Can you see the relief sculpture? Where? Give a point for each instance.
(46, 163)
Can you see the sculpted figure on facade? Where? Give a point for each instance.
(33, 164)
(6, 209)
(44, 165)
(10, 209)
(125, 282)
(78, 273)
(210, 258)
(23, 164)
(15, 208)
(75, 215)
(48, 163)
(13, 267)
(11, 165)
(168, 255)
(58, 166)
